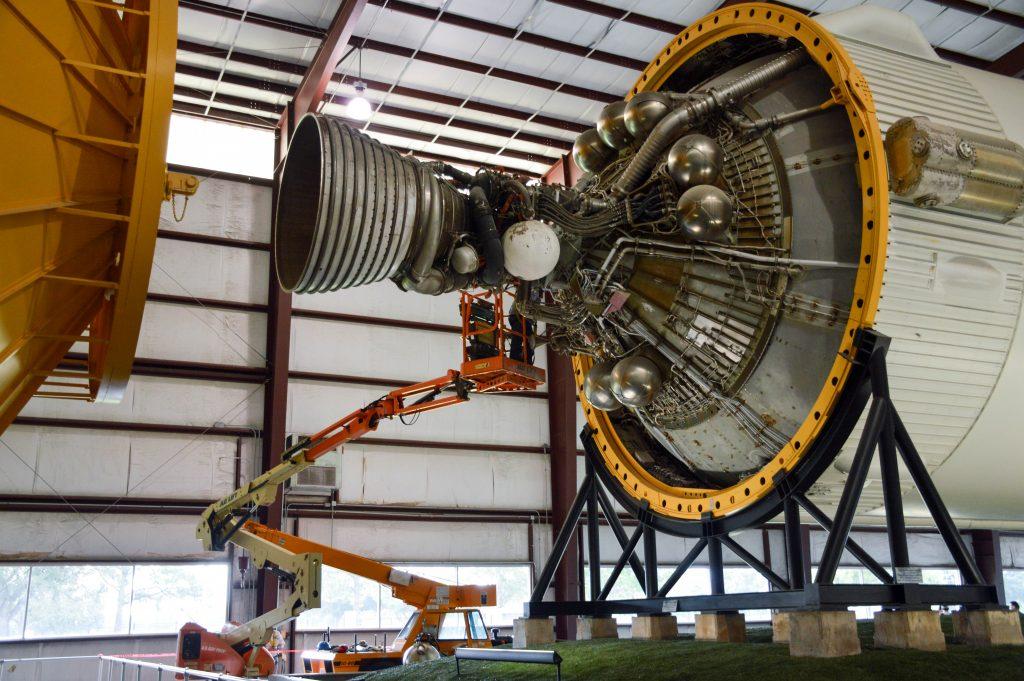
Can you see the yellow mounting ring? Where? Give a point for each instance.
(850, 90)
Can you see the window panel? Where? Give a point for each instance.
(477, 630)
(166, 596)
(740, 580)
(13, 596)
(393, 612)
(513, 587)
(696, 581)
(626, 587)
(949, 576)
(339, 601)
(346, 602)
(78, 600)
(453, 627)
(1013, 583)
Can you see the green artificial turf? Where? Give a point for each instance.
(757, 660)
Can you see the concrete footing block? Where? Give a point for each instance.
(917, 629)
(823, 633)
(987, 628)
(655, 627)
(723, 627)
(780, 627)
(530, 631)
(588, 628)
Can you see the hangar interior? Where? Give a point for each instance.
(99, 498)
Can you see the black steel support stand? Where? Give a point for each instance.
(794, 543)
(883, 431)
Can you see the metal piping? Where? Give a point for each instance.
(697, 109)
(659, 247)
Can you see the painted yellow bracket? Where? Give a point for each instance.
(179, 184)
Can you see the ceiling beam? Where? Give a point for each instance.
(980, 10)
(390, 109)
(254, 18)
(1011, 63)
(409, 53)
(494, 72)
(261, 107)
(310, 93)
(473, 24)
(218, 112)
(221, 114)
(293, 68)
(617, 14)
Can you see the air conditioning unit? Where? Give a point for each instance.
(316, 484)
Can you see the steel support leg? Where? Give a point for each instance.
(853, 547)
(751, 560)
(895, 523)
(627, 553)
(840, 532)
(561, 541)
(619, 531)
(593, 535)
(683, 566)
(650, 561)
(716, 567)
(950, 535)
(794, 545)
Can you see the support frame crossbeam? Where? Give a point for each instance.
(884, 432)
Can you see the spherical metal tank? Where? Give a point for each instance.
(531, 249)
(705, 212)
(597, 386)
(644, 111)
(420, 651)
(635, 381)
(591, 153)
(695, 159)
(611, 126)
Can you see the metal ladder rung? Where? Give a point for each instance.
(64, 396)
(99, 67)
(78, 281)
(65, 374)
(98, 214)
(96, 141)
(74, 339)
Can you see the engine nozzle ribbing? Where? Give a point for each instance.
(351, 211)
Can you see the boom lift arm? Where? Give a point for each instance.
(298, 561)
(230, 519)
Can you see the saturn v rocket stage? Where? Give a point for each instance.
(771, 185)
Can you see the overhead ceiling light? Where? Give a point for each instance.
(359, 107)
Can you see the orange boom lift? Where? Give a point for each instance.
(496, 358)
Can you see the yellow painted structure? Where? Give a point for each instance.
(85, 101)
(850, 91)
